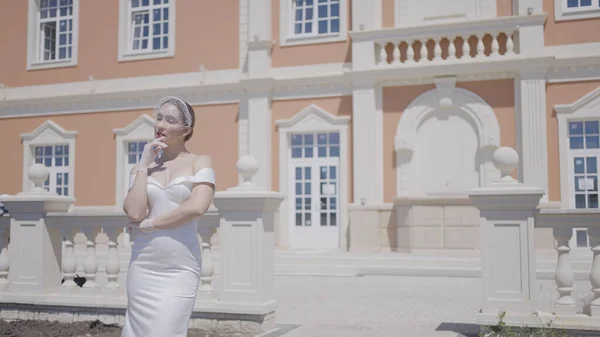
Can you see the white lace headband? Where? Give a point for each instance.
(184, 112)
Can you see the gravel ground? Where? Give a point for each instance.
(30, 328)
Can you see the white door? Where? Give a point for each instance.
(314, 191)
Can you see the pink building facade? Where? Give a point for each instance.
(373, 117)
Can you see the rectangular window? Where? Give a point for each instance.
(576, 9)
(584, 149)
(133, 155)
(581, 5)
(55, 29)
(313, 21)
(149, 22)
(316, 17)
(56, 158)
(52, 34)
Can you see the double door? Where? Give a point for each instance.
(315, 204)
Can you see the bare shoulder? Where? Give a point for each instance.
(201, 162)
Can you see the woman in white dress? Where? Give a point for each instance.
(167, 194)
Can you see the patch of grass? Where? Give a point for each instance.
(503, 330)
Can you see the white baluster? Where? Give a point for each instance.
(563, 275)
(437, 50)
(113, 267)
(466, 47)
(4, 261)
(396, 53)
(480, 46)
(90, 267)
(451, 49)
(510, 44)
(410, 52)
(382, 54)
(495, 45)
(206, 290)
(423, 54)
(594, 235)
(69, 263)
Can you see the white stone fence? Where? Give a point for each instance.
(42, 276)
(509, 213)
(444, 42)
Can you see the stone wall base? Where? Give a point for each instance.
(214, 324)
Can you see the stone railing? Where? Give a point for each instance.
(43, 276)
(439, 43)
(509, 214)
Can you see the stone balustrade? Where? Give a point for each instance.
(509, 213)
(44, 274)
(446, 42)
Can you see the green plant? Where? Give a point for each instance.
(503, 330)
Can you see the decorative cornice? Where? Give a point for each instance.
(592, 97)
(53, 127)
(230, 86)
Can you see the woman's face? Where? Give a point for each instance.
(168, 124)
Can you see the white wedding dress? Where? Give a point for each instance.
(164, 271)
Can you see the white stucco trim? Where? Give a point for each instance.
(125, 54)
(287, 38)
(33, 44)
(141, 129)
(407, 13)
(49, 133)
(312, 119)
(563, 13)
(445, 95)
(583, 108)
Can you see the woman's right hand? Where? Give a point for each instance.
(151, 150)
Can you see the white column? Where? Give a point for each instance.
(255, 108)
(259, 133)
(366, 15)
(530, 108)
(527, 7)
(367, 144)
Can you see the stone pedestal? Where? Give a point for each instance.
(247, 214)
(507, 209)
(36, 250)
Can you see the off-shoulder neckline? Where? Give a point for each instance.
(179, 179)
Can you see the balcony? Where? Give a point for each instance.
(505, 38)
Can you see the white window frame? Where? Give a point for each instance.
(33, 39)
(48, 134)
(312, 119)
(585, 108)
(286, 29)
(563, 13)
(581, 109)
(141, 129)
(125, 53)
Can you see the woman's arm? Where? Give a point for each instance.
(194, 207)
(136, 201)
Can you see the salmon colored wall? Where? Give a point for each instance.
(95, 148)
(569, 32)
(503, 8)
(498, 94)
(387, 13)
(206, 33)
(334, 52)
(395, 100)
(560, 93)
(338, 106)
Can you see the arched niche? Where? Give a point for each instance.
(444, 143)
